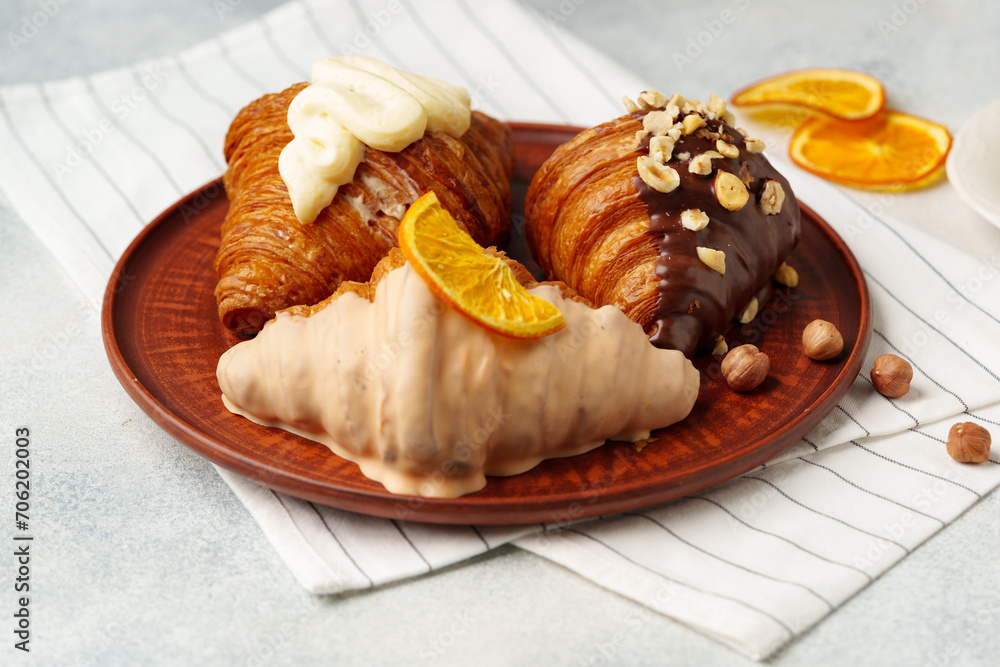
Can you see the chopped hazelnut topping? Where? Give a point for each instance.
(720, 346)
(727, 149)
(786, 275)
(683, 156)
(658, 176)
(743, 132)
(749, 312)
(702, 164)
(639, 136)
(716, 105)
(692, 122)
(672, 110)
(713, 259)
(730, 191)
(651, 99)
(657, 122)
(771, 198)
(728, 118)
(694, 219)
(675, 132)
(677, 100)
(755, 145)
(692, 106)
(630, 106)
(661, 148)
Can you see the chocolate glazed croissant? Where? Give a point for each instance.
(268, 260)
(672, 248)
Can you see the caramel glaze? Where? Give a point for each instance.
(696, 304)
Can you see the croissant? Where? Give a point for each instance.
(268, 260)
(427, 402)
(669, 213)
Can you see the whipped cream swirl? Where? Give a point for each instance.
(353, 102)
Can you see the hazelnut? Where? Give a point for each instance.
(661, 149)
(727, 149)
(693, 106)
(755, 145)
(786, 275)
(745, 367)
(821, 340)
(891, 375)
(651, 99)
(716, 105)
(749, 312)
(721, 347)
(657, 122)
(730, 191)
(771, 198)
(692, 122)
(657, 176)
(968, 442)
(702, 164)
(713, 259)
(630, 106)
(694, 219)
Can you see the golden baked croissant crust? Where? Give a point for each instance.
(268, 260)
(594, 223)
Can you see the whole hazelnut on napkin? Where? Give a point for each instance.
(891, 375)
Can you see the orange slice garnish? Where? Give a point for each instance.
(841, 93)
(892, 151)
(480, 286)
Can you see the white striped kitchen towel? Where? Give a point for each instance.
(88, 161)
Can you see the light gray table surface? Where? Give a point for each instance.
(142, 555)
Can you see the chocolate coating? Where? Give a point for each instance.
(696, 304)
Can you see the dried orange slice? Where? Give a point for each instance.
(841, 93)
(891, 151)
(478, 285)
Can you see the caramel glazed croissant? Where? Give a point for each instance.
(268, 260)
(670, 214)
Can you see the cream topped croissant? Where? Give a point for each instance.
(319, 176)
(428, 402)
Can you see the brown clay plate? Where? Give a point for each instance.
(163, 339)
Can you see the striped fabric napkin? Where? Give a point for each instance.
(754, 562)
